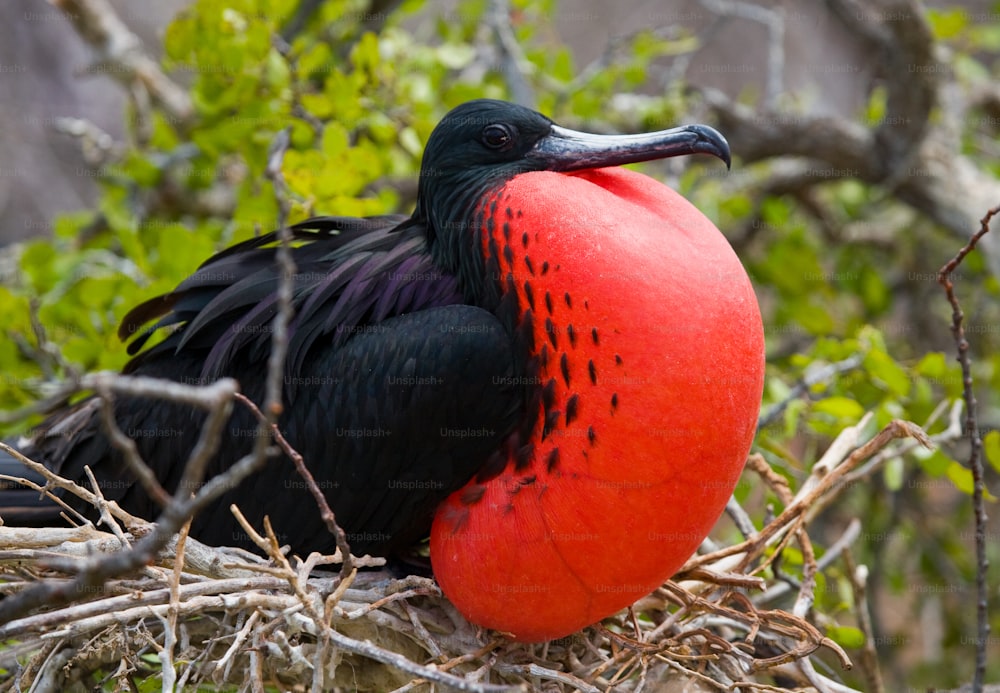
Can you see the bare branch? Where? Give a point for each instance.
(514, 64)
(773, 19)
(129, 450)
(121, 53)
(976, 454)
(858, 575)
(814, 494)
(814, 376)
(300, 466)
(91, 575)
(922, 166)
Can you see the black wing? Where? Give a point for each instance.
(396, 393)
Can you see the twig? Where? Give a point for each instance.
(96, 145)
(773, 21)
(297, 82)
(275, 159)
(858, 575)
(833, 552)
(952, 433)
(53, 480)
(541, 672)
(819, 483)
(189, 607)
(801, 388)
(48, 356)
(976, 443)
(279, 336)
(325, 512)
(109, 606)
(202, 396)
(225, 663)
(398, 661)
(102, 503)
(257, 664)
(740, 518)
(91, 576)
(807, 595)
(169, 674)
(279, 347)
(129, 450)
(515, 65)
(822, 683)
(122, 52)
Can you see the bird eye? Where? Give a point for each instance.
(497, 136)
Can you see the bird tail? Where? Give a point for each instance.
(21, 505)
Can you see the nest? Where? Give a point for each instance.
(85, 608)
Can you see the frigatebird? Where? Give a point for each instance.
(553, 367)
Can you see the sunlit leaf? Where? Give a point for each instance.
(846, 636)
(991, 448)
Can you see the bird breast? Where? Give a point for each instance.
(649, 347)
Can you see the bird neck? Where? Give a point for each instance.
(455, 220)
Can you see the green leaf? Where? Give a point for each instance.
(456, 56)
(934, 462)
(316, 59)
(793, 412)
(969, 69)
(882, 368)
(874, 291)
(875, 111)
(991, 448)
(842, 408)
(410, 141)
(335, 140)
(140, 169)
(892, 474)
(961, 477)
(278, 74)
(932, 365)
(562, 67)
(846, 636)
(365, 54)
(37, 263)
(948, 23)
(985, 37)
(777, 389)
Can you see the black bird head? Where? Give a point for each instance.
(481, 144)
(485, 142)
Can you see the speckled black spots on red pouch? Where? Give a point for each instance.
(550, 329)
(529, 294)
(552, 460)
(572, 408)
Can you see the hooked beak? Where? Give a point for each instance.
(568, 150)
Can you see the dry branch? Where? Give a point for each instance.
(976, 454)
(120, 53)
(916, 159)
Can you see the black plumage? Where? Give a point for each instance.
(408, 352)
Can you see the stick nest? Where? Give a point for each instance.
(226, 618)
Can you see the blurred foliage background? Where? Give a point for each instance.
(846, 270)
